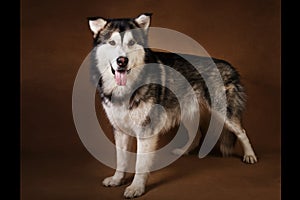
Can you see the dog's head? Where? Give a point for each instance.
(120, 44)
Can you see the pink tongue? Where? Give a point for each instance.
(121, 77)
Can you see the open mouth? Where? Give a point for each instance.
(120, 75)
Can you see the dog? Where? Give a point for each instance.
(121, 61)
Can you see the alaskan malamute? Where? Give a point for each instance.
(122, 61)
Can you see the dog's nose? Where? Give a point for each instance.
(122, 61)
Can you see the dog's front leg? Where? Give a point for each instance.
(145, 154)
(123, 143)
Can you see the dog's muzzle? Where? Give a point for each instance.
(122, 71)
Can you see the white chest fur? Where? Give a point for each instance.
(130, 121)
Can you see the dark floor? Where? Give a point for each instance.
(55, 39)
(79, 177)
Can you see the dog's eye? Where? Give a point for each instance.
(131, 43)
(112, 43)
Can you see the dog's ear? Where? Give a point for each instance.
(144, 20)
(96, 24)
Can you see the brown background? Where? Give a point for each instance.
(54, 41)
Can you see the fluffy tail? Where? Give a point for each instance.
(227, 143)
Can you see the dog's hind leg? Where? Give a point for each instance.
(234, 125)
(193, 140)
(235, 105)
(123, 143)
(190, 145)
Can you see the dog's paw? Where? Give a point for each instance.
(250, 159)
(133, 191)
(111, 182)
(179, 152)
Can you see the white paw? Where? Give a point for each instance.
(251, 159)
(133, 191)
(111, 181)
(179, 152)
